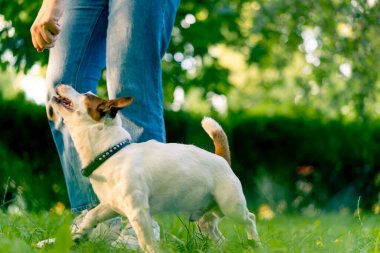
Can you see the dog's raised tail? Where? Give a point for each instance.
(217, 134)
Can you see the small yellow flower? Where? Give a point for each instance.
(376, 208)
(265, 212)
(319, 243)
(58, 208)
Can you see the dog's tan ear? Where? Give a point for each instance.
(114, 105)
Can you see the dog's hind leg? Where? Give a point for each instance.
(96, 215)
(208, 224)
(250, 228)
(233, 205)
(248, 220)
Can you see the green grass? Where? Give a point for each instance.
(326, 233)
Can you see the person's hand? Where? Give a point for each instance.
(45, 28)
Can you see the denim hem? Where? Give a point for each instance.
(82, 208)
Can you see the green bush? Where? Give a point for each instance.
(341, 159)
(29, 163)
(299, 161)
(289, 163)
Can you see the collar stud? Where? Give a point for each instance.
(100, 159)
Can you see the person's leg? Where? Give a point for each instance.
(137, 37)
(77, 59)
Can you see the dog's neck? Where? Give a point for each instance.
(92, 139)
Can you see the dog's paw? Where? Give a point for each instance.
(255, 243)
(43, 243)
(78, 237)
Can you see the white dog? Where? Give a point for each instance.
(142, 179)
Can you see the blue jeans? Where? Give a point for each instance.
(130, 38)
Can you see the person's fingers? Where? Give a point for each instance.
(44, 34)
(33, 32)
(53, 27)
(42, 38)
(37, 40)
(35, 45)
(47, 46)
(47, 36)
(40, 41)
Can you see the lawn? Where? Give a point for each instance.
(285, 233)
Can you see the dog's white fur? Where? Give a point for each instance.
(151, 177)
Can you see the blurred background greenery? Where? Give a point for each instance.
(295, 84)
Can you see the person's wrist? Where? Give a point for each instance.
(53, 1)
(54, 8)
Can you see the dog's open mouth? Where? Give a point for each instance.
(64, 101)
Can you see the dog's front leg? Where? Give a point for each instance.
(98, 214)
(136, 208)
(141, 222)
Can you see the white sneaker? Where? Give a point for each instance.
(111, 231)
(128, 238)
(43, 243)
(108, 230)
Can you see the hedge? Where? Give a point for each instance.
(288, 163)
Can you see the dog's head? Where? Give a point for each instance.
(73, 106)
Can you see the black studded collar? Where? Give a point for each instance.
(87, 171)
